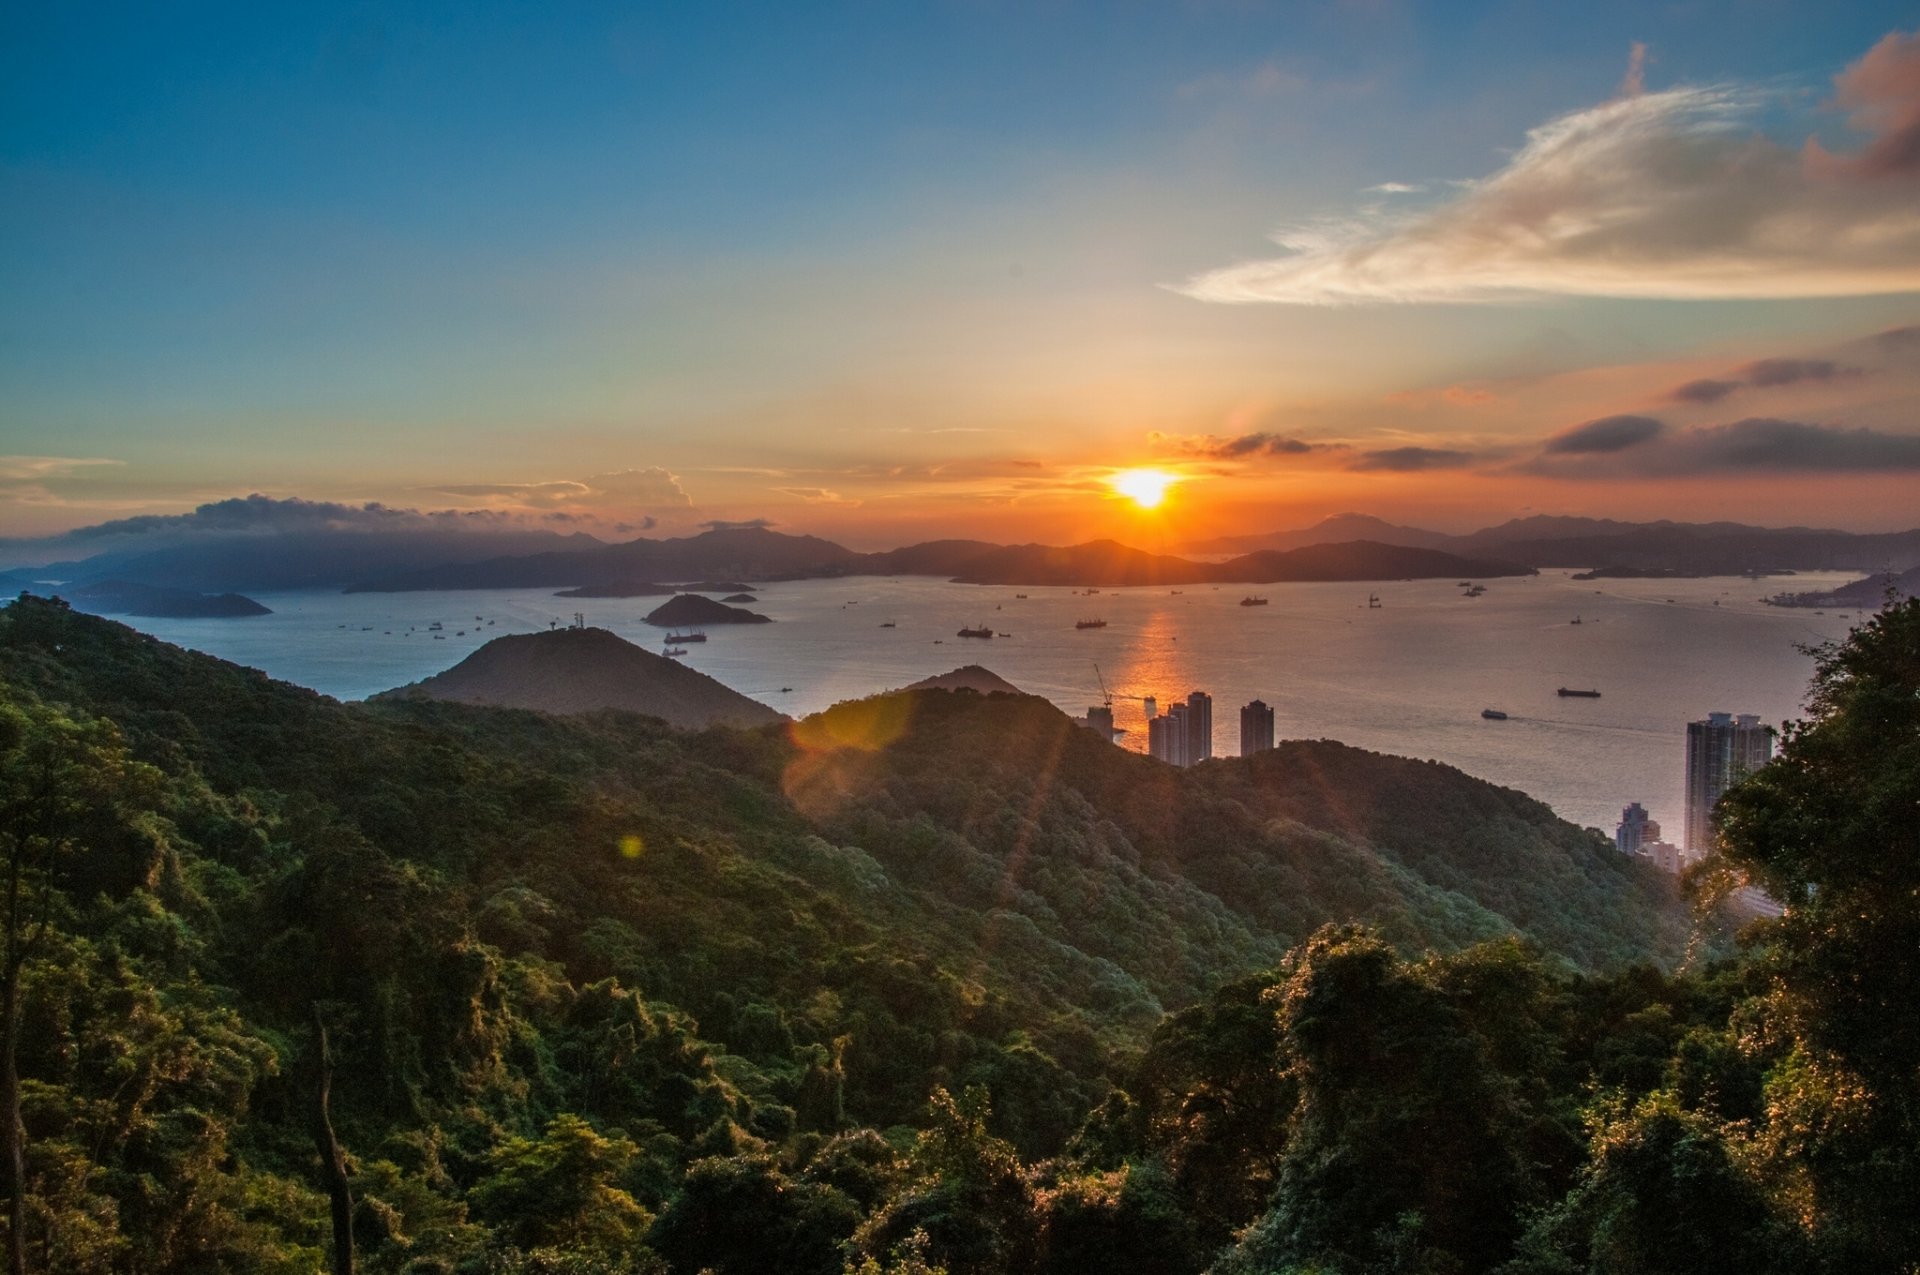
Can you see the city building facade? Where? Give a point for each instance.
(1721, 749)
(1637, 828)
(1256, 728)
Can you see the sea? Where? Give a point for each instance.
(1399, 667)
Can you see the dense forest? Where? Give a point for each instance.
(932, 981)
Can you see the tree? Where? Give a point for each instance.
(64, 784)
(1831, 828)
(1406, 1151)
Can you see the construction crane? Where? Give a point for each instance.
(1107, 696)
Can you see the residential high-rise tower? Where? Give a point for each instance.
(1256, 728)
(1720, 750)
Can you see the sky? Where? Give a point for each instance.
(888, 272)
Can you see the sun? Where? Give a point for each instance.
(1144, 487)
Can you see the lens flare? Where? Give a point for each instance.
(1144, 487)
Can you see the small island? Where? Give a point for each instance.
(690, 610)
(121, 597)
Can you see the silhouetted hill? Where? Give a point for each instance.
(585, 671)
(1360, 560)
(1547, 540)
(264, 561)
(1107, 563)
(117, 597)
(727, 553)
(968, 677)
(690, 610)
(1337, 529)
(1868, 594)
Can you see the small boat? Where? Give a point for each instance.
(1493, 715)
(786, 690)
(1019, 595)
(1089, 624)
(434, 627)
(1574, 620)
(1251, 601)
(1565, 693)
(978, 631)
(888, 624)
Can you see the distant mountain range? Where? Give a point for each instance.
(584, 671)
(1713, 548)
(763, 554)
(1345, 547)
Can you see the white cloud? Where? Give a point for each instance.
(1665, 194)
(33, 468)
(652, 487)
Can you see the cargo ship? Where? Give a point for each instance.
(1493, 715)
(1089, 624)
(1571, 694)
(981, 632)
(1252, 601)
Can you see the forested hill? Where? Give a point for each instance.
(690, 945)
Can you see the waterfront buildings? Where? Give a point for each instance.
(1637, 829)
(1183, 734)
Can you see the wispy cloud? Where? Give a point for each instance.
(1410, 460)
(1237, 446)
(816, 495)
(1655, 194)
(649, 487)
(1604, 436)
(35, 468)
(1643, 448)
(1764, 374)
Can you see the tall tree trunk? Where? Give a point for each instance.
(332, 1162)
(12, 1137)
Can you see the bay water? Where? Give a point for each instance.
(1409, 676)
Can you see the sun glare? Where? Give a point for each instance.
(1144, 487)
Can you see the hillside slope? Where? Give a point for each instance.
(599, 944)
(585, 671)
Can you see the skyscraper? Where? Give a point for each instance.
(1167, 736)
(1636, 829)
(1256, 728)
(1199, 727)
(1720, 750)
(1100, 721)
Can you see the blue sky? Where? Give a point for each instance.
(920, 264)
